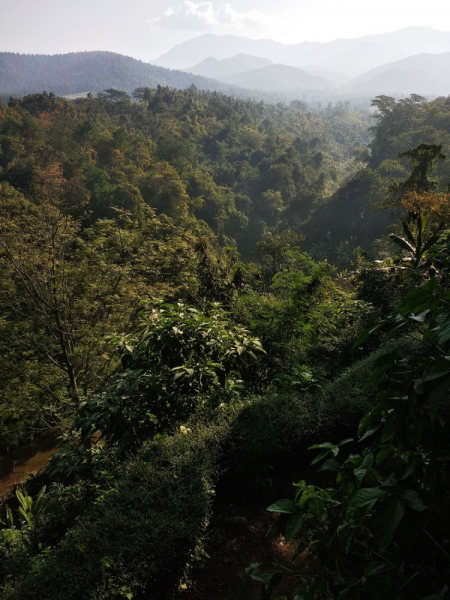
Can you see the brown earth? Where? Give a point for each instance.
(235, 541)
(16, 465)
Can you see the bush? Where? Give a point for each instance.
(136, 534)
(181, 360)
(279, 425)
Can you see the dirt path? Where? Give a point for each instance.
(238, 536)
(28, 459)
(236, 540)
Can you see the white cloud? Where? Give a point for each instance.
(189, 16)
(202, 16)
(254, 18)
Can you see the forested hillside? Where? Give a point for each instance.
(242, 167)
(90, 72)
(195, 290)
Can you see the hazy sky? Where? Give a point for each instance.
(147, 28)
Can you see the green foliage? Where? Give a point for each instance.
(185, 149)
(65, 289)
(124, 302)
(179, 361)
(302, 317)
(409, 123)
(348, 216)
(144, 517)
(115, 196)
(29, 508)
(422, 161)
(148, 517)
(358, 530)
(333, 410)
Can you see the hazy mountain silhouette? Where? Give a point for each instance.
(195, 50)
(280, 78)
(338, 79)
(421, 74)
(218, 69)
(347, 56)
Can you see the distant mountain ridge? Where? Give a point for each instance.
(421, 74)
(226, 67)
(66, 74)
(195, 50)
(242, 76)
(347, 56)
(281, 78)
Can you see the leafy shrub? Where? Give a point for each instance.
(145, 518)
(179, 360)
(280, 425)
(368, 531)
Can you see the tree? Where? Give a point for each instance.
(426, 216)
(65, 289)
(113, 95)
(422, 160)
(427, 212)
(279, 252)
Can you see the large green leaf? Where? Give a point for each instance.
(444, 330)
(421, 299)
(326, 448)
(402, 242)
(362, 470)
(408, 233)
(438, 395)
(330, 465)
(413, 500)
(366, 496)
(293, 526)
(433, 239)
(283, 506)
(389, 519)
(438, 370)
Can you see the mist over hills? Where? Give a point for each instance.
(227, 67)
(348, 56)
(195, 50)
(337, 79)
(281, 78)
(422, 74)
(257, 73)
(342, 69)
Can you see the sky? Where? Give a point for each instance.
(145, 29)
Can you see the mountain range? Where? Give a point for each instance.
(413, 60)
(421, 74)
(228, 67)
(349, 56)
(425, 74)
(256, 73)
(280, 78)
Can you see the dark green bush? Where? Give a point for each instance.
(137, 534)
(280, 425)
